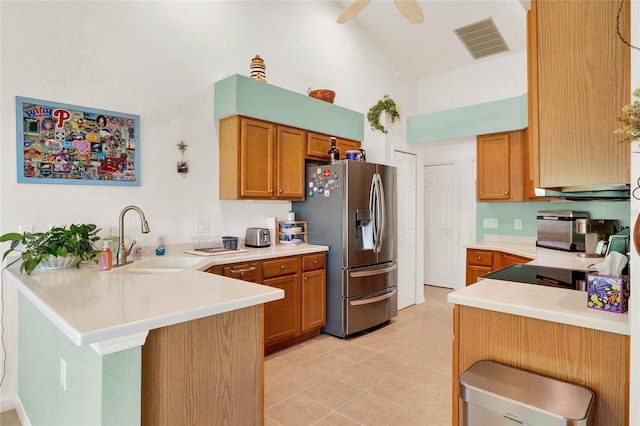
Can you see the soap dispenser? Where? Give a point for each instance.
(160, 247)
(106, 257)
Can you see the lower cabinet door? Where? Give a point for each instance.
(282, 317)
(314, 302)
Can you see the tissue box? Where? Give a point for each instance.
(608, 293)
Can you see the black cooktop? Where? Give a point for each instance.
(541, 275)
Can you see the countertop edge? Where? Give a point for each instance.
(507, 297)
(122, 331)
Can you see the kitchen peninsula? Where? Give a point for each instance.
(545, 330)
(101, 347)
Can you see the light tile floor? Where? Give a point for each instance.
(399, 374)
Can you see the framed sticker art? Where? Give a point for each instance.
(69, 144)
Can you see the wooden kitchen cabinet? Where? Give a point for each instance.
(281, 317)
(206, 371)
(260, 160)
(318, 146)
(579, 79)
(481, 262)
(313, 291)
(507, 259)
(548, 348)
(302, 312)
(500, 160)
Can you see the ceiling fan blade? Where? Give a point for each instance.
(352, 10)
(411, 10)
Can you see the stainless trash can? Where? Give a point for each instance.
(494, 394)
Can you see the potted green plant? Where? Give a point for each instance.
(57, 248)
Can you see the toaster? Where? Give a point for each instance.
(257, 237)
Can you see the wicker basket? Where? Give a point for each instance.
(323, 95)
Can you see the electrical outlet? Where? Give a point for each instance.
(490, 223)
(63, 374)
(517, 224)
(202, 226)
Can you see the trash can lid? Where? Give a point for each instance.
(522, 394)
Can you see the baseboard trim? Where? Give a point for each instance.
(22, 415)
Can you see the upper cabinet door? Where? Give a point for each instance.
(256, 154)
(579, 81)
(290, 166)
(500, 167)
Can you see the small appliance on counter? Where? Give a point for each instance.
(257, 237)
(596, 233)
(557, 230)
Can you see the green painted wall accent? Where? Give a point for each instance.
(246, 96)
(100, 390)
(506, 213)
(481, 119)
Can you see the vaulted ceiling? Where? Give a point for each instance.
(433, 47)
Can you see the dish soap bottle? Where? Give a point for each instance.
(106, 257)
(160, 247)
(334, 152)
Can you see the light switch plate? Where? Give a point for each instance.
(490, 223)
(202, 226)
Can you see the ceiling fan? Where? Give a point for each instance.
(410, 9)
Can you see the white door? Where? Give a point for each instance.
(439, 208)
(406, 165)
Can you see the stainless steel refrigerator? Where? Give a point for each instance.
(351, 207)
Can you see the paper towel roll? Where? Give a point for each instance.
(271, 224)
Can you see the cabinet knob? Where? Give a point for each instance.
(242, 274)
(281, 267)
(506, 194)
(271, 191)
(306, 278)
(315, 261)
(280, 191)
(479, 258)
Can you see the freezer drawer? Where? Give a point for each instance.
(367, 280)
(369, 310)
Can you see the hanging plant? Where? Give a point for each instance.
(385, 104)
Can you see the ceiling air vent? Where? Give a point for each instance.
(482, 39)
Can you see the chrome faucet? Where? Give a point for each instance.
(123, 252)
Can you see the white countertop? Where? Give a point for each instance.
(91, 306)
(540, 302)
(540, 255)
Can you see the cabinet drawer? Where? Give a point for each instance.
(278, 267)
(480, 258)
(313, 262)
(244, 271)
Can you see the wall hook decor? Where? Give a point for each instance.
(183, 165)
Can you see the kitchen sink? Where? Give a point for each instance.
(148, 270)
(158, 265)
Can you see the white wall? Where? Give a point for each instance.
(160, 60)
(503, 77)
(500, 78)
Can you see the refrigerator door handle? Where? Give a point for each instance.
(373, 299)
(369, 273)
(376, 204)
(373, 206)
(381, 209)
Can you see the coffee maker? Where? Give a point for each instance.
(596, 234)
